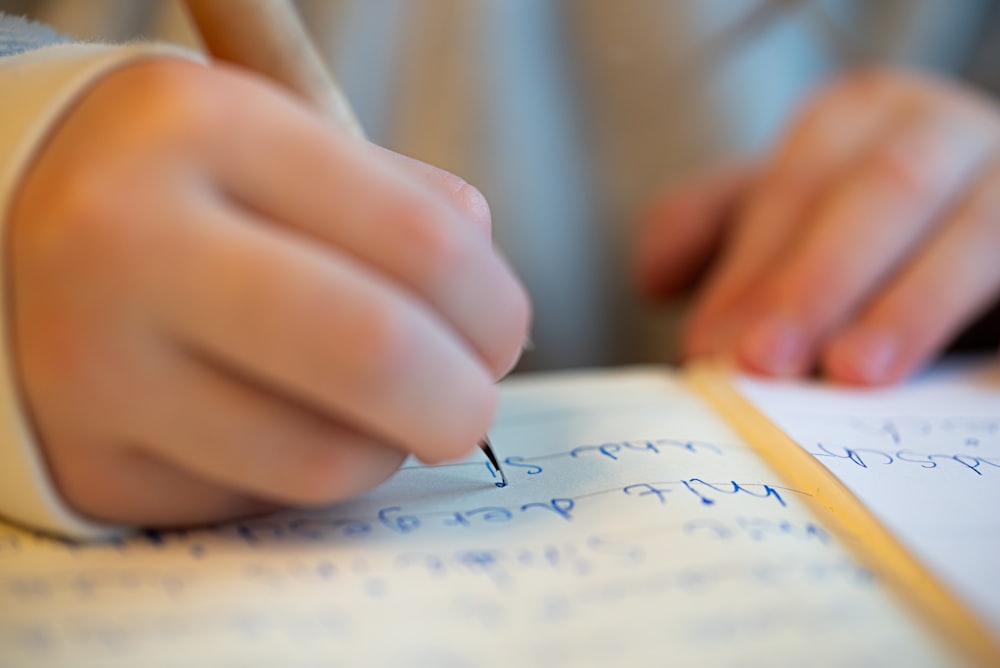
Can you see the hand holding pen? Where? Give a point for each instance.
(223, 303)
(268, 38)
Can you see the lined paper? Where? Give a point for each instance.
(923, 457)
(637, 530)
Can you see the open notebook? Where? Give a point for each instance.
(653, 518)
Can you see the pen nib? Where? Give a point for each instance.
(487, 449)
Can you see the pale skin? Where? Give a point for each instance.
(859, 247)
(223, 304)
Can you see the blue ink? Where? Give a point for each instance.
(733, 487)
(401, 523)
(517, 462)
(484, 561)
(250, 532)
(648, 488)
(478, 559)
(704, 499)
(929, 461)
(854, 455)
(561, 507)
(457, 519)
(491, 513)
(971, 463)
(609, 450)
(613, 450)
(916, 458)
(552, 556)
(647, 446)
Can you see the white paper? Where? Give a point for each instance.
(637, 530)
(924, 457)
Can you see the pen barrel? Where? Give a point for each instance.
(267, 37)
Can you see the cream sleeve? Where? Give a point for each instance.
(37, 88)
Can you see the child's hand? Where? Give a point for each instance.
(222, 304)
(870, 237)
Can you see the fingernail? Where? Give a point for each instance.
(776, 345)
(871, 354)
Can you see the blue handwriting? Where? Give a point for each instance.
(864, 457)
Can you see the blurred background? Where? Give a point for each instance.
(570, 114)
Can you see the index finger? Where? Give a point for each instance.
(340, 191)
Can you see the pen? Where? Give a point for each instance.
(267, 36)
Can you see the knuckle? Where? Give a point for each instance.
(106, 175)
(175, 101)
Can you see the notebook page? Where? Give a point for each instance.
(924, 457)
(637, 530)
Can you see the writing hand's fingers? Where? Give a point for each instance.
(128, 486)
(321, 328)
(469, 201)
(683, 228)
(953, 279)
(242, 437)
(866, 225)
(346, 194)
(819, 147)
(302, 266)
